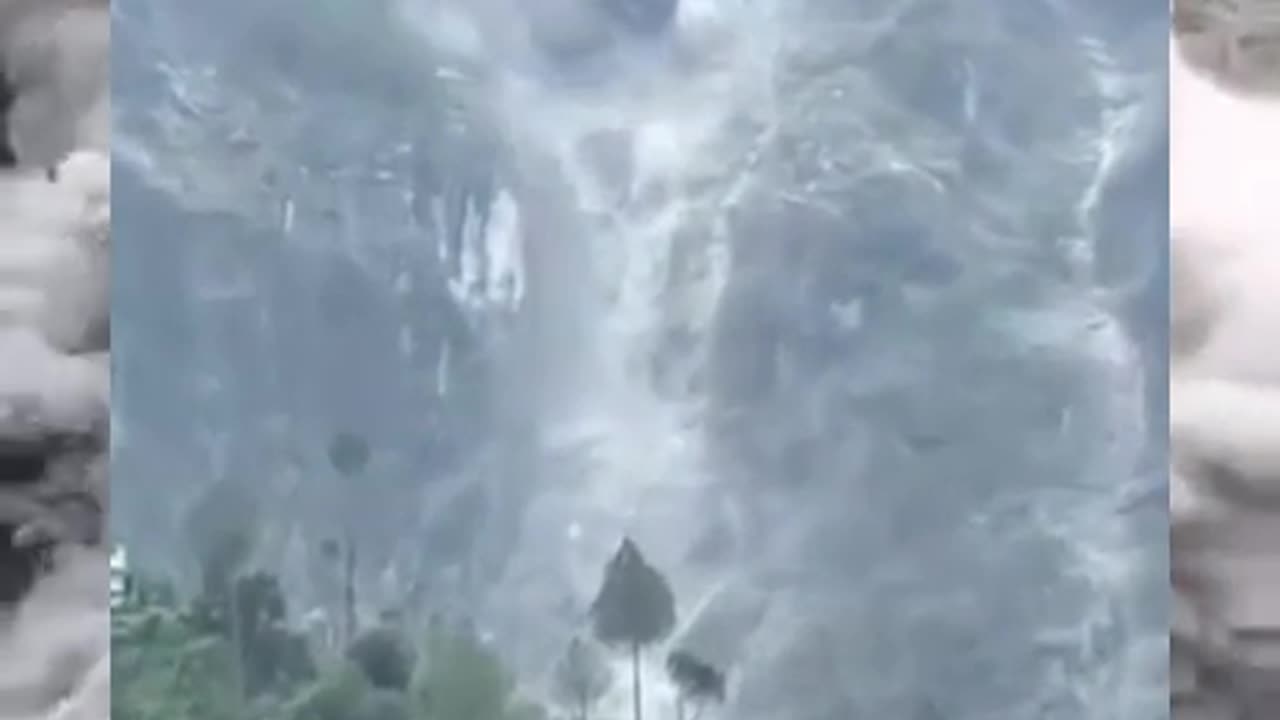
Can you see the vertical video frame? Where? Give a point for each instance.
(54, 359)
(1224, 406)
(641, 360)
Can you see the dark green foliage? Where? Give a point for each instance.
(349, 454)
(184, 663)
(152, 592)
(386, 705)
(699, 681)
(384, 656)
(222, 528)
(205, 680)
(163, 668)
(181, 663)
(274, 657)
(337, 695)
(458, 678)
(634, 608)
(635, 605)
(253, 619)
(695, 677)
(581, 679)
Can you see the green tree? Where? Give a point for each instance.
(145, 647)
(174, 661)
(339, 694)
(635, 608)
(252, 615)
(349, 454)
(275, 658)
(156, 592)
(207, 668)
(384, 656)
(223, 527)
(458, 678)
(164, 668)
(699, 682)
(381, 704)
(582, 679)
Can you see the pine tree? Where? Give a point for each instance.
(699, 682)
(635, 608)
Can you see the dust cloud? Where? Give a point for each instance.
(54, 360)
